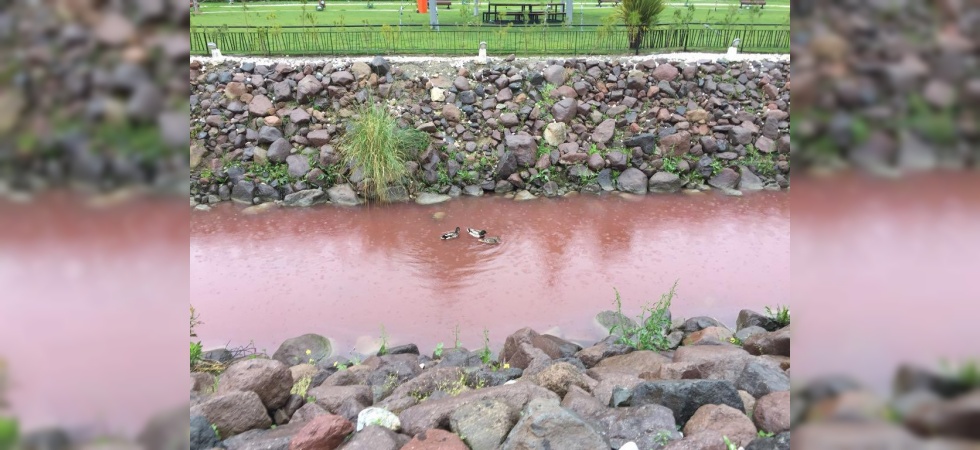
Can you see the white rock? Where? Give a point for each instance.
(629, 446)
(438, 94)
(378, 416)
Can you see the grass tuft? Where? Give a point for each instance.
(654, 324)
(377, 145)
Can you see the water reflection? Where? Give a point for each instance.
(343, 272)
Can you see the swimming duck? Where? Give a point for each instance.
(450, 235)
(476, 233)
(492, 240)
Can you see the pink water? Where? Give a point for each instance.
(92, 313)
(884, 272)
(344, 273)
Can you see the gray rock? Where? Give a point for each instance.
(726, 179)
(507, 165)
(428, 198)
(343, 194)
(473, 190)
(641, 425)
(545, 424)
(243, 192)
(483, 424)
(646, 141)
(760, 379)
(202, 436)
(279, 150)
(604, 131)
(292, 351)
(273, 439)
(467, 97)
(380, 66)
(605, 180)
(555, 75)
(684, 397)
(268, 135)
(747, 332)
(740, 135)
(749, 181)
(633, 181)
(298, 166)
(267, 193)
(665, 182)
(564, 110)
(748, 318)
(304, 198)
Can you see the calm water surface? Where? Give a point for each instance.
(344, 273)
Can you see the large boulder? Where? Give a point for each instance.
(346, 401)
(555, 75)
(292, 351)
(565, 110)
(304, 199)
(633, 363)
(559, 377)
(727, 178)
(748, 318)
(268, 378)
(234, 413)
(684, 397)
(545, 424)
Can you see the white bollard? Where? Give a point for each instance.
(732, 51)
(215, 51)
(482, 58)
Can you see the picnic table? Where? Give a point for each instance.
(528, 13)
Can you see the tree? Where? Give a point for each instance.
(638, 16)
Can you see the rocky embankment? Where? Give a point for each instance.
(272, 133)
(541, 391)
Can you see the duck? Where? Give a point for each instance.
(492, 240)
(476, 233)
(450, 235)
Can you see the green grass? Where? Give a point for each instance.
(765, 434)
(967, 374)
(764, 164)
(377, 145)
(346, 13)
(275, 28)
(437, 353)
(654, 324)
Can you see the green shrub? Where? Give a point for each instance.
(376, 144)
(654, 324)
(638, 16)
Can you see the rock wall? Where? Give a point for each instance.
(260, 133)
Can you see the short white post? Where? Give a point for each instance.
(215, 51)
(733, 50)
(482, 58)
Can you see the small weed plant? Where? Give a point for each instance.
(485, 354)
(766, 434)
(729, 445)
(780, 315)
(654, 324)
(384, 342)
(662, 438)
(438, 351)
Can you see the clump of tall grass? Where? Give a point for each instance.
(375, 143)
(638, 16)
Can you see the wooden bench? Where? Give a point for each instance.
(447, 3)
(759, 3)
(614, 2)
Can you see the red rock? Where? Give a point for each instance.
(325, 432)
(772, 412)
(722, 419)
(435, 440)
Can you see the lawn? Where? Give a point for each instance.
(342, 12)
